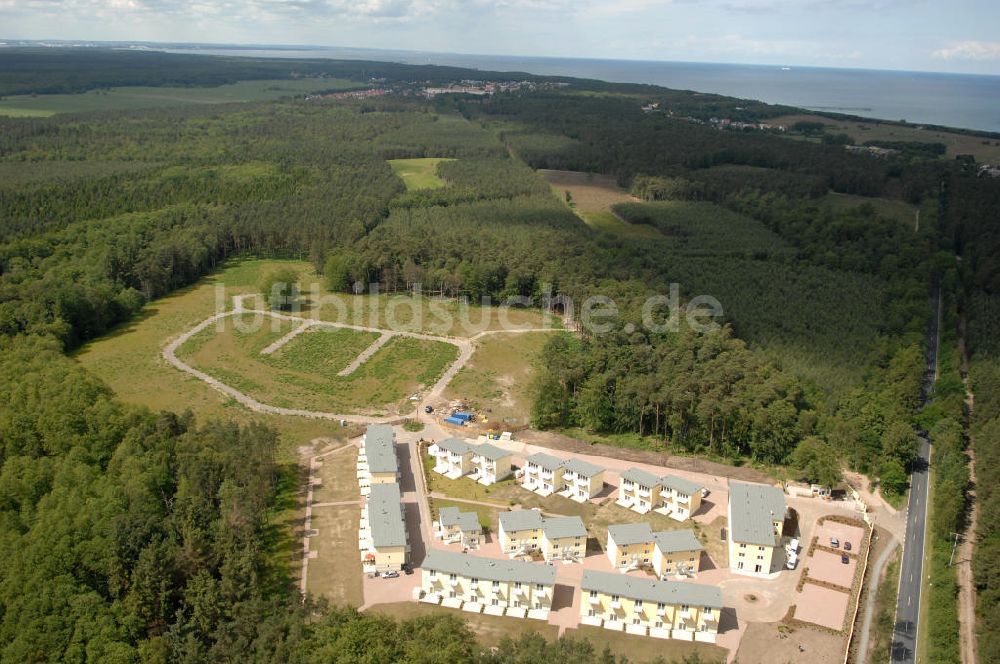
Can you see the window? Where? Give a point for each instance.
(495, 602)
(615, 598)
(538, 605)
(743, 546)
(658, 624)
(636, 621)
(452, 576)
(433, 574)
(475, 581)
(517, 604)
(540, 587)
(592, 613)
(761, 549)
(660, 606)
(496, 584)
(757, 568)
(517, 584)
(739, 565)
(638, 604)
(452, 594)
(593, 593)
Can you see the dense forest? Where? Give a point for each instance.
(139, 536)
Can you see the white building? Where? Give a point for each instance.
(543, 474)
(583, 480)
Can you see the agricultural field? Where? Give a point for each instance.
(304, 373)
(593, 197)
(132, 98)
(983, 149)
(498, 378)
(420, 173)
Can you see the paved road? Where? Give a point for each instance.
(904, 642)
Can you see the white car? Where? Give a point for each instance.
(793, 546)
(792, 559)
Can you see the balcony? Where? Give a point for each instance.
(643, 492)
(661, 611)
(616, 604)
(546, 475)
(569, 477)
(595, 600)
(627, 486)
(453, 582)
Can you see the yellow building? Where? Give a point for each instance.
(377, 462)
(676, 552)
(495, 587)
(543, 474)
(661, 609)
(756, 523)
(639, 490)
(630, 545)
(583, 480)
(680, 498)
(461, 527)
(490, 464)
(453, 458)
(559, 538)
(383, 540)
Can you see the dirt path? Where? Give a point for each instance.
(878, 569)
(963, 563)
(365, 354)
(285, 339)
(466, 347)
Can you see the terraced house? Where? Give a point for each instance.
(484, 585)
(583, 480)
(680, 498)
(490, 464)
(382, 538)
(756, 523)
(661, 609)
(453, 458)
(543, 474)
(635, 545)
(454, 526)
(557, 538)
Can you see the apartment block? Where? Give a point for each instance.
(490, 464)
(455, 526)
(634, 545)
(676, 552)
(583, 480)
(377, 462)
(630, 545)
(484, 585)
(453, 458)
(382, 538)
(756, 522)
(661, 609)
(543, 474)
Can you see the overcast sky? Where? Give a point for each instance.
(928, 35)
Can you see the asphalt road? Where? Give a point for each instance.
(908, 602)
(904, 638)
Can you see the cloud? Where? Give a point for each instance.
(969, 50)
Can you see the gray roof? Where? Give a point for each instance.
(630, 533)
(455, 445)
(669, 592)
(385, 516)
(380, 447)
(641, 477)
(564, 526)
(677, 540)
(520, 520)
(582, 468)
(491, 452)
(752, 510)
(546, 461)
(488, 569)
(680, 484)
(466, 521)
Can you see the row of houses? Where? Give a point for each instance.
(642, 492)
(382, 537)
(647, 607)
(486, 463)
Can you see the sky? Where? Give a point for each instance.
(924, 35)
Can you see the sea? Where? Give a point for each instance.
(953, 100)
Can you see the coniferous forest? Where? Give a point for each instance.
(130, 535)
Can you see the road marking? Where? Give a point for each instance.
(909, 600)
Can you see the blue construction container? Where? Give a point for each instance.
(465, 417)
(455, 420)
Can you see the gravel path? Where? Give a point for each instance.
(866, 624)
(367, 353)
(466, 347)
(285, 339)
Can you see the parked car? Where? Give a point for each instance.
(704, 493)
(834, 542)
(793, 546)
(847, 546)
(407, 569)
(845, 559)
(792, 559)
(391, 574)
(428, 409)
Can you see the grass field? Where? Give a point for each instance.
(904, 213)
(419, 173)
(133, 350)
(497, 379)
(592, 197)
(154, 97)
(488, 516)
(335, 572)
(303, 372)
(982, 149)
